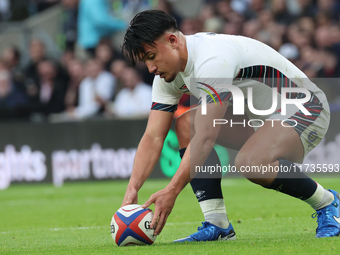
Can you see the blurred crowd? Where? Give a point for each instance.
(74, 87)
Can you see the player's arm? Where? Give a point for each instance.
(195, 155)
(148, 152)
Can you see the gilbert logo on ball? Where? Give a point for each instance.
(130, 225)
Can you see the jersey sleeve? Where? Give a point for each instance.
(164, 96)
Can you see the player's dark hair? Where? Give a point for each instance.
(145, 28)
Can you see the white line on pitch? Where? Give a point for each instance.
(82, 228)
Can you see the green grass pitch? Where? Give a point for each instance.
(75, 219)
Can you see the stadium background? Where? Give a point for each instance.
(50, 49)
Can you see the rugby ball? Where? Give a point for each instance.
(130, 225)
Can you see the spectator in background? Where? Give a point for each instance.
(331, 7)
(117, 68)
(270, 32)
(323, 19)
(207, 11)
(290, 52)
(95, 90)
(309, 61)
(254, 9)
(298, 36)
(11, 58)
(76, 71)
(191, 26)
(224, 9)
(70, 23)
(165, 6)
(95, 23)
(50, 91)
(280, 12)
(235, 24)
(330, 64)
(307, 26)
(13, 101)
(306, 8)
(134, 100)
(107, 54)
(37, 54)
(66, 58)
(213, 25)
(325, 37)
(251, 28)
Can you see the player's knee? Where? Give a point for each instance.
(249, 166)
(245, 160)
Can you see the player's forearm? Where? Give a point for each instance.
(147, 155)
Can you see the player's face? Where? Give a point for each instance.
(163, 59)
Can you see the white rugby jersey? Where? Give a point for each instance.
(228, 59)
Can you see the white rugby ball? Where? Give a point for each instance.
(130, 225)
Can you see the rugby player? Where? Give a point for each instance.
(197, 63)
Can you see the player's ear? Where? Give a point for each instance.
(173, 40)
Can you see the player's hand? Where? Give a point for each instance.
(131, 197)
(164, 201)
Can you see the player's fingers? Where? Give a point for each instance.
(160, 224)
(154, 220)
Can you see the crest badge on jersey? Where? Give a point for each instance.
(184, 88)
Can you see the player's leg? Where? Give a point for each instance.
(278, 146)
(208, 190)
